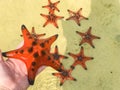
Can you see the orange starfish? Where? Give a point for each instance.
(76, 16)
(51, 18)
(33, 34)
(34, 53)
(52, 6)
(80, 59)
(64, 75)
(87, 37)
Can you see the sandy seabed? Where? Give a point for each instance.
(104, 16)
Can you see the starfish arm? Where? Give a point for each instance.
(57, 74)
(70, 18)
(62, 82)
(47, 6)
(79, 10)
(82, 41)
(83, 65)
(56, 49)
(59, 17)
(46, 23)
(45, 16)
(89, 30)
(72, 78)
(73, 55)
(81, 34)
(95, 37)
(88, 58)
(57, 9)
(12, 54)
(74, 64)
(77, 21)
(33, 30)
(90, 43)
(49, 41)
(40, 35)
(63, 57)
(71, 12)
(55, 24)
(81, 51)
(31, 76)
(25, 34)
(56, 3)
(92, 36)
(49, 1)
(83, 17)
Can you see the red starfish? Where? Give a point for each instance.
(34, 53)
(80, 59)
(52, 6)
(57, 57)
(33, 34)
(51, 18)
(76, 16)
(87, 37)
(64, 75)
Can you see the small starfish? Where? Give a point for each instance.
(57, 57)
(34, 35)
(64, 75)
(87, 37)
(80, 59)
(51, 18)
(52, 6)
(76, 16)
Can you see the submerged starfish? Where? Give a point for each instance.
(80, 59)
(34, 35)
(57, 57)
(52, 6)
(34, 53)
(64, 75)
(51, 18)
(87, 37)
(76, 16)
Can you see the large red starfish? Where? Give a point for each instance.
(51, 18)
(76, 16)
(80, 59)
(64, 75)
(57, 57)
(34, 53)
(52, 6)
(87, 37)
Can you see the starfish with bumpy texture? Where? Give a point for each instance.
(64, 75)
(52, 6)
(35, 53)
(76, 16)
(87, 37)
(57, 57)
(51, 18)
(80, 59)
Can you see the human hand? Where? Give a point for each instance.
(13, 74)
